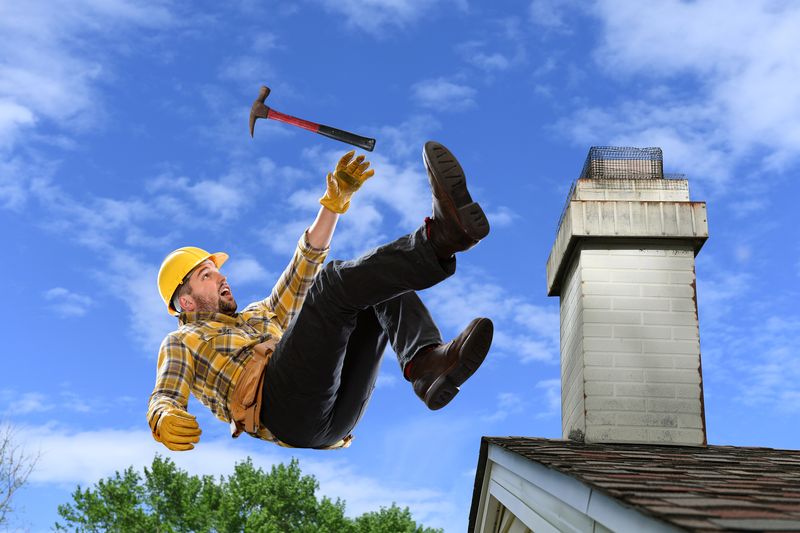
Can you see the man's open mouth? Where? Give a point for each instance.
(226, 291)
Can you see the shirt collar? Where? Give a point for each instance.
(187, 317)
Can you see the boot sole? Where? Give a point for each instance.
(476, 347)
(446, 172)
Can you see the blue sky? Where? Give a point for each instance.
(123, 135)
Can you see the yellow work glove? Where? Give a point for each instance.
(177, 430)
(349, 175)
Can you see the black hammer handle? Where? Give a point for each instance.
(350, 138)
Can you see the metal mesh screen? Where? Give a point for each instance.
(610, 162)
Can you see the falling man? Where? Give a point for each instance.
(298, 368)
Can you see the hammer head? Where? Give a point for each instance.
(259, 110)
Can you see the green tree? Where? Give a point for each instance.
(390, 520)
(168, 499)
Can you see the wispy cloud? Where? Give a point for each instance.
(523, 330)
(441, 94)
(507, 403)
(245, 269)
(495, 47)
(376, 17)
(551, 14)
(551, 389)
(67, 304)
(48, 72)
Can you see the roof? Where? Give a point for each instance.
(700, 489)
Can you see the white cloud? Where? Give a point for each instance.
(552, 392)
(245, 269)
(502, 34)
(67, 304)
(71, 457)
(48, 72)
(25, 403)
(507, 403)
(742, 63)
(550, 14)
(133, 281)
(442, 95)
(376, 17)
(523, 330)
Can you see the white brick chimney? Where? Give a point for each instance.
(623, 265)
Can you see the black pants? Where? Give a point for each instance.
(322, 374)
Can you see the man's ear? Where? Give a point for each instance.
(187, 303)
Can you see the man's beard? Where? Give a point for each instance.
(206, 305)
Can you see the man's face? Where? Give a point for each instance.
(210, 291)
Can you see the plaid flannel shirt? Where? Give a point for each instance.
(208, 352)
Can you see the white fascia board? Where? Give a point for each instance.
(609, 512)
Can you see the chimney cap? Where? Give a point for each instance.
(614, 162)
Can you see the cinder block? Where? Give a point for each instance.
(610, 289)
(598, 388)
(659, 405)
(597, 330)
(597, 302)
(664, 420)
(667, 291)
(643, 361)
(656, 318)
(691, 362)
(691, 392)
(682, 278)
(615, 434)
(642, 332)
(690, 422)
(682, 304)
(671, 347)
(599, 418)
(595, 274)
(614, 404)
(671, 376)
(594, 344)
(645, 390)
(675, 436)
(598, 359)
(641, 276)
(686, 333)
(613, 374)
(598, 316)
(641, 304)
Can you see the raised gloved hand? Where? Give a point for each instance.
(177, 430)
(349, 175)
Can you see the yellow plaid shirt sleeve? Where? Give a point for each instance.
(174, 375)
(289, 292)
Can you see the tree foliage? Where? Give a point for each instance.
(15, 467)
(168, 499)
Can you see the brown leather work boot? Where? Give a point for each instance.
(438, 372)
(458, 223)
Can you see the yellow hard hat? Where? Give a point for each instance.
(175, 267)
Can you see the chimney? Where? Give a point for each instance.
(623, 266)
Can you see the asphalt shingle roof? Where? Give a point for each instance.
(709, 489)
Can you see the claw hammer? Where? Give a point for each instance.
(259, 110)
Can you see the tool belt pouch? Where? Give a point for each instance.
(245, 404)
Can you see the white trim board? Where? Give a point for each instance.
(544, 498)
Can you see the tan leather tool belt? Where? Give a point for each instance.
(245, 402)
